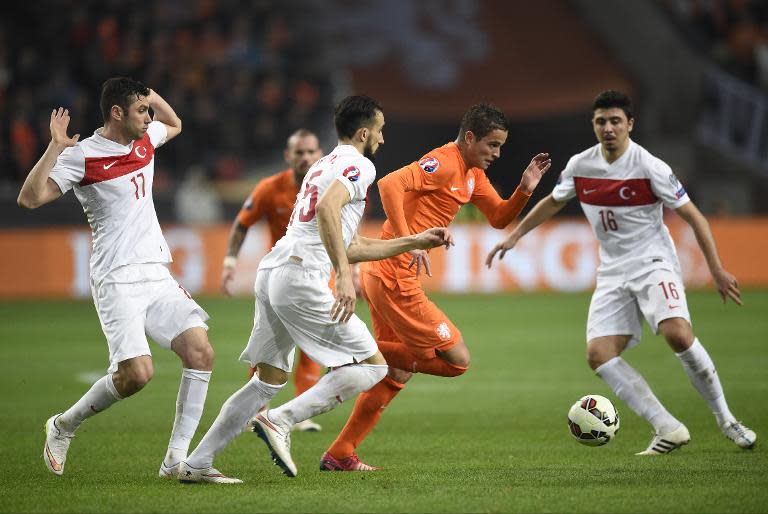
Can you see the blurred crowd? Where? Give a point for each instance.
(732, 32)
(241, 75)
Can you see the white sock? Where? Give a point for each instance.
(99, 397)
(189, 409)
(336, 386)
(702, 374)
(235, 413)
(633, 390)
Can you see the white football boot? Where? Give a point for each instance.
(739, 434)
(189, 475)
(306, 426)
(665, 443)
(169, 472)
(56, 445)
(278, 440)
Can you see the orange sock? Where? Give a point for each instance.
(399, 356)
(365, 415)
(307, 373)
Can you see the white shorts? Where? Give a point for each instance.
(293, 308)
(137, 300)
(618, 307)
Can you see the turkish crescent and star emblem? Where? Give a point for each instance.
(138, 153)
(429, 164)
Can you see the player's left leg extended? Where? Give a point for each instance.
(701, 372)
(437, 349)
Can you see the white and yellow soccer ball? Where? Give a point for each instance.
(593, 420)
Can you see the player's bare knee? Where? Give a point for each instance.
(271, 375)
(678, 333)
(398, 375)
(597, 355)
(200, 356)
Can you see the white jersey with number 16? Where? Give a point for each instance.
(623, 203)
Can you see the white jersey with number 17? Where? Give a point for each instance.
(623, 203)
(113, 183)
(302, 239)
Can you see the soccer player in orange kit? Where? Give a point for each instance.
(413, 334)
(273, 199)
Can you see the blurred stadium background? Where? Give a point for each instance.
(243, 75)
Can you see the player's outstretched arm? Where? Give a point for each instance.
(365, 249)
(165, 114)
(726, 284)
(39, 188)
(540, 213)
(236, 237)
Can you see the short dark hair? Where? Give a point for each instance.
(613, 99)
(121, 91)
(481, 120)
(354, 112)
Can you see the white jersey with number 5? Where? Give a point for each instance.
(302, 239)
(623, 202)
(113, 183)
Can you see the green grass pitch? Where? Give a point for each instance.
(493, 440)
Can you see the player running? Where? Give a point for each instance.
(294, 305)
(414, 335)
(622, 189)
(272, 199)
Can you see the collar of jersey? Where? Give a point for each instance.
(127, 148)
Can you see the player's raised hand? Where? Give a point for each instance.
(538, 166)
(727, 286)
(59, 125)
(344, 306)
(502, 247)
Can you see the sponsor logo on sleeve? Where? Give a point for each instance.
(680, 193)
(429, 164)
(352, 173)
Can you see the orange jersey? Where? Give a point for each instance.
(273, 199)
(429, 193)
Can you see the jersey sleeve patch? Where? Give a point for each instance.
(352, 173)
(429, 164)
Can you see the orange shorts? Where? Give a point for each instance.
(411, 319)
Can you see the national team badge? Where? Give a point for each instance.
(352, 173)
(443, 331)
(470, 185)
(429, 164)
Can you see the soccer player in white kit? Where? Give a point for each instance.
(295, 306)
(622, 189)
(135, 295)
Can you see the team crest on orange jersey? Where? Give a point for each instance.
(470, 185)
(443, 331)
(429, 164)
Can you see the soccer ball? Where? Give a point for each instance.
(593, 420)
